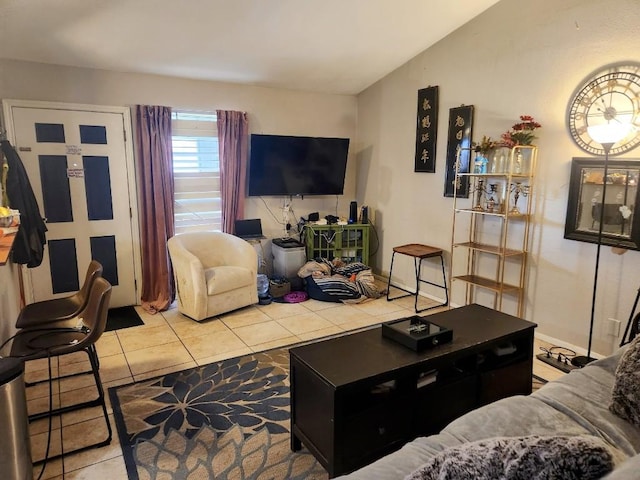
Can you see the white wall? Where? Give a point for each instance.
(517, 58)
(270, 111)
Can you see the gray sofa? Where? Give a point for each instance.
(576, 404)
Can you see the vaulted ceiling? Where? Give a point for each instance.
(332, 46)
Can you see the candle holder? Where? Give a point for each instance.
(518, 189)
(479, 191)
(493, 203)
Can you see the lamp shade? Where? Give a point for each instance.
(610, 132)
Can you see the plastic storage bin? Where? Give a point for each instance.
(15, 451)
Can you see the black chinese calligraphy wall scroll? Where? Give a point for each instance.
(426, 130)
(460, 133)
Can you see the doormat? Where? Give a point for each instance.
(122, 317)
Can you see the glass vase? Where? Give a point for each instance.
(522, 161)
(499, 160)
(480, 164)
(517, 161)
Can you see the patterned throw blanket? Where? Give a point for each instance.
(335, 281)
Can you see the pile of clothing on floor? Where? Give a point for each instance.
(337, 281)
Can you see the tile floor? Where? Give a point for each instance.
(170, 342)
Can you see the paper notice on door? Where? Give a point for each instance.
(74, 150)
(75, 172)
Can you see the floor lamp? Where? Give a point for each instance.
(607, 135)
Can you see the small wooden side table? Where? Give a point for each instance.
(419, 252)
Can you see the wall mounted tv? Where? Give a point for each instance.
(287, 165)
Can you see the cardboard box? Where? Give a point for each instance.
(279, 288)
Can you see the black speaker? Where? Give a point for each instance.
(364, 218)
(353, 212)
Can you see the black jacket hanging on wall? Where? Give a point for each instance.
(28, 247)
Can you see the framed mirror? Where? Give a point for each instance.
(620, 226)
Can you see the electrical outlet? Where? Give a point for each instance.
(613, 327)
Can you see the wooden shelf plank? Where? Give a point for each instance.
(495, 214)
(487, 283)
(496, 174)
(483, 247)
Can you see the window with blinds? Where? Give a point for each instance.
(196, 172)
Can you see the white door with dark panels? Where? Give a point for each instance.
(81, 170)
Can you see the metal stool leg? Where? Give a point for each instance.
(444, 278)
(417, 263)
(100, 401)
(389, 281)
(443, 286)
(389, 284)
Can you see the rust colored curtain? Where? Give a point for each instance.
(233, 141)
(155, 168)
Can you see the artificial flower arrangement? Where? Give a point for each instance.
(521, 133)
(485, 145)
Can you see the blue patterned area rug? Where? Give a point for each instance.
(227, 420)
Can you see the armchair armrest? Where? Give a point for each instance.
(191, 285)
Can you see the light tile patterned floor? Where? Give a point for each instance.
(169, 342)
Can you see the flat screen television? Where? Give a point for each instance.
(288, 165)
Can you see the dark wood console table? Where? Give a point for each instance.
(358, 397)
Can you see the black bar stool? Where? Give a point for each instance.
(419, 252)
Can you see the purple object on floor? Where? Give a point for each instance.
(295, 297)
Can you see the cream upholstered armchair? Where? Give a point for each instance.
(215, 273)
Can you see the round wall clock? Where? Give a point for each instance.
(610, 95)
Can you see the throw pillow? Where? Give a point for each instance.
(351, 268)
(518, 458)
(313, 267)
(625, 400)
(331, 289)
(366, 283)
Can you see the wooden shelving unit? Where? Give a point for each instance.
(490, 233)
